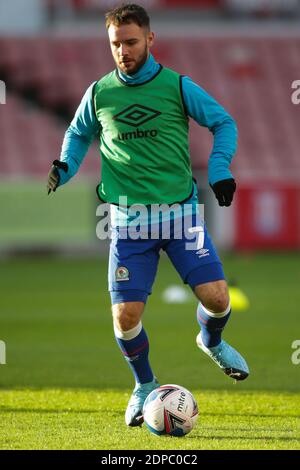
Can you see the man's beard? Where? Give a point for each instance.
(139, 64)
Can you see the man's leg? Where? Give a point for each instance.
(132, 270)
(212, 314)
(132, 339)
(199, 266)
(213, 310)
(133, 342)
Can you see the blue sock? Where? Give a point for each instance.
(136, 351)
(211, 326)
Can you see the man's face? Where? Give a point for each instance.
(130, 45)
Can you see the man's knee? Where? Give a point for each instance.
(127, 315)
(217, 304)
(213, 295)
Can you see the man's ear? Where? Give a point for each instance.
(150, 38)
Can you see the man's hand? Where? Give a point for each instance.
(53, 175)
(224, 191)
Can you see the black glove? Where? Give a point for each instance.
(53, 175)
(224, 191)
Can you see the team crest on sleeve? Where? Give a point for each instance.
(122, 274)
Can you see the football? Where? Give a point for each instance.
(170, 409)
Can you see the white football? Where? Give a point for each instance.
(170, 409)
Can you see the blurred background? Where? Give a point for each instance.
(54, 307)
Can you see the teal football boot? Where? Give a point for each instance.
(227, 358)
(134, 411)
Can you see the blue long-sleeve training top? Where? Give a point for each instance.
(200, 106)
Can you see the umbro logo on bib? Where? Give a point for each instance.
(136, 115)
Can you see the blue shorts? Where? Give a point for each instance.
(133, 263)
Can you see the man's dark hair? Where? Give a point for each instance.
(128, 13)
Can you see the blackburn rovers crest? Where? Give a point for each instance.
(122, 274)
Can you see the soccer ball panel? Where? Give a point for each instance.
(152, 415)
(170, 409)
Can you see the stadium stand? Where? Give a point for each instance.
(19, 153)
(91, 6)
(30, 139)
(251, 77)
(254, 8)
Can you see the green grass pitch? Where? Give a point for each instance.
(66, 386)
